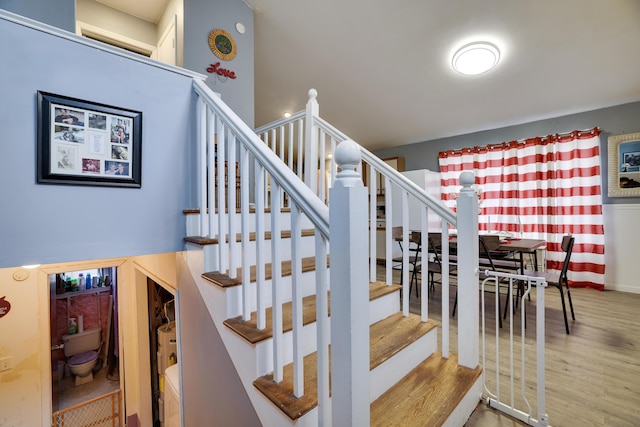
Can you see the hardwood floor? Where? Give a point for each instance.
(592, 375)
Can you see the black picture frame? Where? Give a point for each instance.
(86, 143)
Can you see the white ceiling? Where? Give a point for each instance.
(382, 68)
(148, 10)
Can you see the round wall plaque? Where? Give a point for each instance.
(222, 44)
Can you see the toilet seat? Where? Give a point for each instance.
(82, 358)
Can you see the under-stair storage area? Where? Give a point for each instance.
(84, 355)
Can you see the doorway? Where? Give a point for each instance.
(85, 355)
(162, 343)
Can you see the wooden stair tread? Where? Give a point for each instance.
(398, 332)
(267, 209)
(248, 329)
(285, 234)
(223, 279)
(427, 395)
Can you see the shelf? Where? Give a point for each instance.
(84, 292)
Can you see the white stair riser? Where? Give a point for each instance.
(193, 223)
(264, 349)
(307, 249)
(379, 309)
(384, 376)
(383, 307)
(234, 293)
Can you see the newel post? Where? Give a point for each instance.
(349, 291)
(468, 317)
(311, 142)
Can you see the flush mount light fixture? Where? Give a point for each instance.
(476, 58)
(287, 114)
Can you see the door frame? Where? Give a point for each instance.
(45, 327)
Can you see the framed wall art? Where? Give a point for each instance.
(624, 165)
(222, 45)
(85, 143)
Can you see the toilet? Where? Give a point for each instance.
(81, 350)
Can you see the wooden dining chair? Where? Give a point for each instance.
(560, 280)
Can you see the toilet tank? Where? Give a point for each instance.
(81, 342)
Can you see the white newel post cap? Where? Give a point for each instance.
(467, 179)
(312, 93)
(348, 158)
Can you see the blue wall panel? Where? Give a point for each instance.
(50, 223)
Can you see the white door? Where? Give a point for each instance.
(167, 51)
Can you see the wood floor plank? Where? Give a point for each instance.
(592, 375)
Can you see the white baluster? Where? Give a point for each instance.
(276, 285)
(244, 226)
(260, 258)
(311, 142)
(296, 301)
(232, 194)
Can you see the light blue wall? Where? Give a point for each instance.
(203, 16)
(613, 121)
(50, 223)
(58, 13)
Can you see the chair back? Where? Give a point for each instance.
(396, 233)
(486, 245)
(567, 247)
(433, 247)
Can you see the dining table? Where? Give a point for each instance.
(519, 246)
(523, 247)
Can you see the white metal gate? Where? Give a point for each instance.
(509, 371)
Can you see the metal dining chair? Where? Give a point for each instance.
(558, 280)
(414, 255)
(485, 245)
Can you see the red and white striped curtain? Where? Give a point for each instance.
(539, 188)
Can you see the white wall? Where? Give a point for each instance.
(114, 21)
(622, 237)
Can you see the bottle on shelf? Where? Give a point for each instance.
(73, 326)
(88, 280)
(81, 281)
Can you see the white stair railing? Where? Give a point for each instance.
(226, 143)
(318, 149)
(515, 395)
(223, 139)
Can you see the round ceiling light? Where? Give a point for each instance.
(476, 58)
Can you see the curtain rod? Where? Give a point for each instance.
(558, 135)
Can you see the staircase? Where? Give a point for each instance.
(406, 388)
(270, 288)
